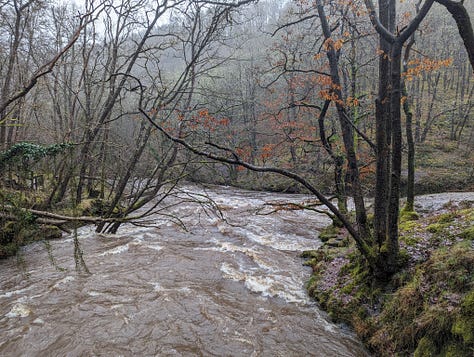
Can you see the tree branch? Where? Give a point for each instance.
(413, 25)
(463, 21)
(386, 34)
(46, 68)
(362, 245)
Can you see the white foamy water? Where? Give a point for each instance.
(273, 285)
(116, 250)
(19, 310)
(15, 292)
(63, 281)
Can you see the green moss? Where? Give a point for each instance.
(426, 309)
(403, 258)
(446, 217)
(308, 254)
(468, 233)
(407, 230)
(435, 228)
(14, 234)
(455, 349)
(425, 348)
(408, 216)
(464, 324)
(409, 240)
(408, 226)
(328, 233)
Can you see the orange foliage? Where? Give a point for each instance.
(418, 66)
(204, 120)
(331, 44)
(352, 102)
(267, 151)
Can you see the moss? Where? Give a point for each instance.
(403, 258)
(425, 315)
(14, 234)
(49, 232)
(455, 349)
(426, 309)
(94, 207)
(468, 214)
(464, 324)
(7, 250)
(446, 217)
(435, 228)
(408, 226)
(425, 348)
(468, 233)
(409, 232)
(406, 215)
(308, 254)
(409, 240)
(7, 232)
(328, 233)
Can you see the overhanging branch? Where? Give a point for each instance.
(236, 160)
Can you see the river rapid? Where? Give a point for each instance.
(230, 285)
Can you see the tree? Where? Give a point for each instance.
(380, 247)
(464, 24)
(16, 85)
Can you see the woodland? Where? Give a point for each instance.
(106, 106)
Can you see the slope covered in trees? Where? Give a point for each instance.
(269, 84)
(351, 99)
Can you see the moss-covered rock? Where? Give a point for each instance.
(426, 348)
(14, 234)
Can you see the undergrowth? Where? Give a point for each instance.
(427, 309)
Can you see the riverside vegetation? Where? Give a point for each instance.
(427, 308)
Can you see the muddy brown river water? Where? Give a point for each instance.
(224, 287)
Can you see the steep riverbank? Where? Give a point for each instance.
(427, 309)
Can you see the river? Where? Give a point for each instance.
(224, 286)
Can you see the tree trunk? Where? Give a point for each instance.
(347, 130)
(392, 246)
(383, 130)
(411, 150)
(407, 108)
(337, 159)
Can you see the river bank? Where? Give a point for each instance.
(427, 308)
